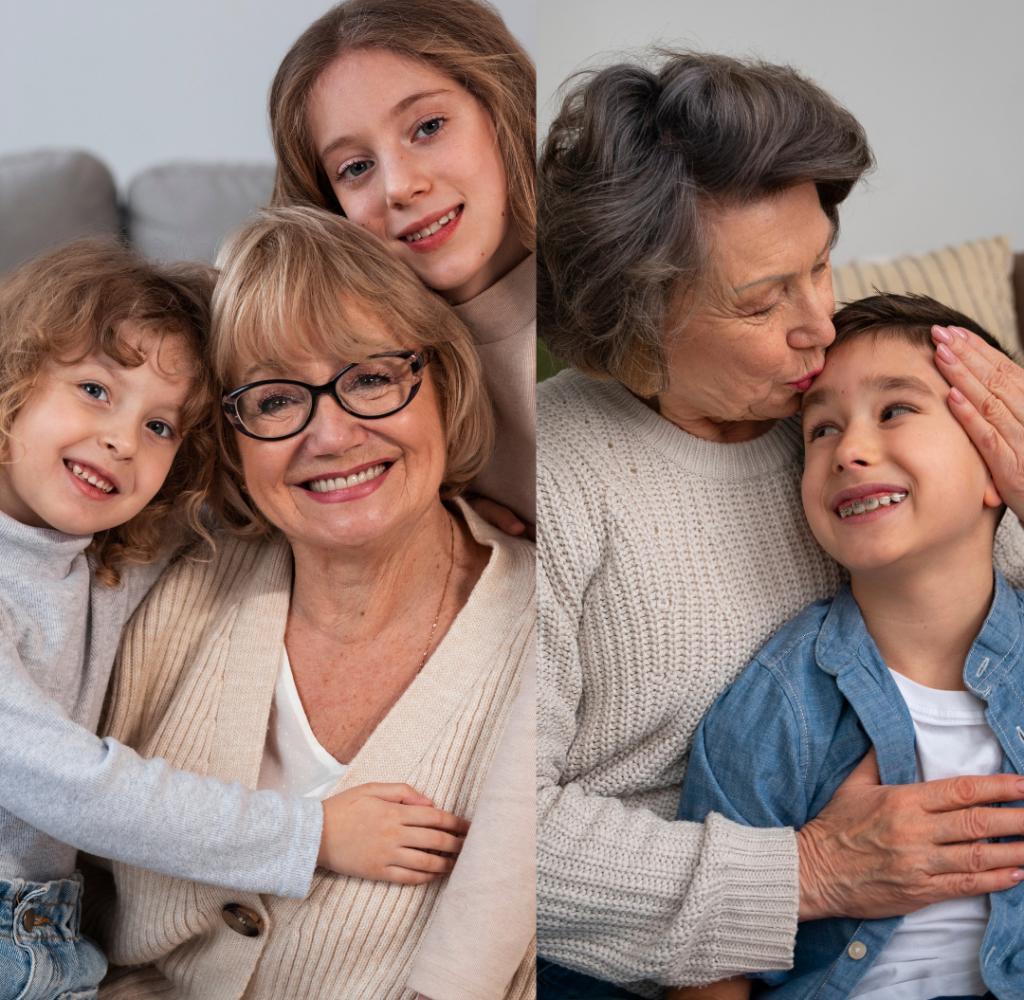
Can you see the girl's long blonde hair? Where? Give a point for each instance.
(465, 39)
(74, 300)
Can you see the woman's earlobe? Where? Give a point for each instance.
(992, 496)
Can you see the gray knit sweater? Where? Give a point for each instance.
(665, 563)
(63, 788)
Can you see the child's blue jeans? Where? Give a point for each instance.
(42, 954)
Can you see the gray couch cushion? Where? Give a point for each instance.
(50, 197)
(185, 210)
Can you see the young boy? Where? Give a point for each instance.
(921, 656)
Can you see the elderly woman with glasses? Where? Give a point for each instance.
(358, 624)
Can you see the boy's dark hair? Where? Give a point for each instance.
(904, 317)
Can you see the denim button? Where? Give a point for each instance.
(242, 920)
(857, 950)
(28, 920)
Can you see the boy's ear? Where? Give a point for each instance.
(992, 497)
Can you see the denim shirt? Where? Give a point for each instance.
(778, 742)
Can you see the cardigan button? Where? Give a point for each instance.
(857, 950)
(242, 920)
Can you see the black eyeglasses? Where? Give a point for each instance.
(275, 409)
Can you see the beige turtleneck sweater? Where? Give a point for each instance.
(503, 321)
(665, 563)
(194, 685)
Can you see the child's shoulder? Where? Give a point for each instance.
(792, 646)
(783, 679)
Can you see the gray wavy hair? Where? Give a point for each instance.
(630, 165)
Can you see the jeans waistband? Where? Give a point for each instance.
(47, 909)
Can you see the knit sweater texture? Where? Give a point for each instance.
(63, 788)
(503, 322)
(194, 684)
(666, 562)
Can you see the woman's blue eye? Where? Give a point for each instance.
(431, 127)
(355, 170)
(95, 390)
(161, 429)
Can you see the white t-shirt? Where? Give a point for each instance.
(935, 951)
(294, 762)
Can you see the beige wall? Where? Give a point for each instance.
(937, 84)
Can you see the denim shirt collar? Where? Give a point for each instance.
(846, 651)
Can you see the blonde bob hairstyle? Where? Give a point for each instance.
(299, 282)
(465, 39)
(77, 299)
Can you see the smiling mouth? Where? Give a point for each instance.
(866, 504)
(90, 477)
(433, 227)
(344, 482)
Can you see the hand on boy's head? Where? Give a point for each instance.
(888, 471)
(94, 440)
(988, 399)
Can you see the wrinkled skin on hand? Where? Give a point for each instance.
(886, 850)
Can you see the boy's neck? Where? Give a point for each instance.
(924, 617)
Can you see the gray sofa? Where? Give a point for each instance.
(171, 211)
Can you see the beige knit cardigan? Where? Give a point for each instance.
(194, 684)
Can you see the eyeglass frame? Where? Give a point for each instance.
(417, 359)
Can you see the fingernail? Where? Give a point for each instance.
(945, 354)
(1020, 785)
(960, 332)
(958, 397)
(1017, 875)
(941, 335)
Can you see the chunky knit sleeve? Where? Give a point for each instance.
(624, 895)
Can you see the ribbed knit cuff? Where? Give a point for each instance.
(754, 913)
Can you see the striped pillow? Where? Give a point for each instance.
(974, 278)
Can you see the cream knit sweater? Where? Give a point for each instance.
(194, 684)
(665, 563)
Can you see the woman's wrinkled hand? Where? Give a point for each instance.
(502, 517)
(987, 397)
(385, 832)
(887, 850)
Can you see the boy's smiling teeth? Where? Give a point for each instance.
(343, 482)
(90, 477)
(433, 227)
(871, 503)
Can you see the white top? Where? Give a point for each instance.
(935, 951)
(294, 762)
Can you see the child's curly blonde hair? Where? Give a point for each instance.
(74, 300)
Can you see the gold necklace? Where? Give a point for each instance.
(444, 594)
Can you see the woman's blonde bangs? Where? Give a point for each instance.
(300, 282)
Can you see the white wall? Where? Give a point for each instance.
(139, 82)
(937, 84)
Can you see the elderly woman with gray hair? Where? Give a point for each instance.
(687, 214)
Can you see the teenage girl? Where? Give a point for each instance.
(416, 119)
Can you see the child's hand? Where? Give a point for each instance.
(380, 831)
(502, 517)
